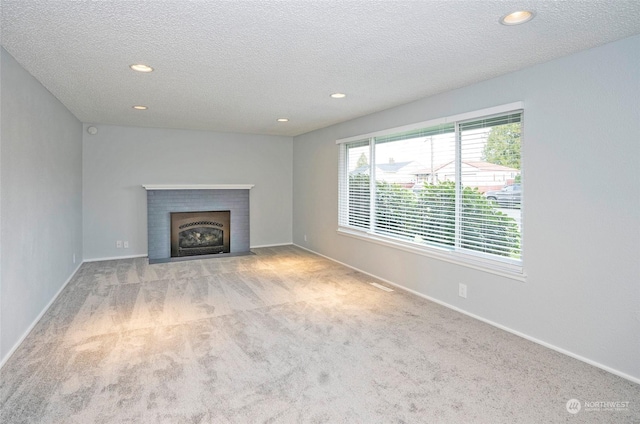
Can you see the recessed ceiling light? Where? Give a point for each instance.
(283, 119)
(338, 95)
(140, 107)
(141, 68)
(516, 18)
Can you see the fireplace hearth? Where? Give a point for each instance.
(200, 233)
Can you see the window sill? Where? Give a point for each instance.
(468, 260)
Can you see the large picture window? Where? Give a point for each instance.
(453, 186)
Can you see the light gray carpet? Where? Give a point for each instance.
(282, 336)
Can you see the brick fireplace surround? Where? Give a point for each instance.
(164, 199)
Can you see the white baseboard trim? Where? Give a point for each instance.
(113, 258)
(495, 324)
(35, 322)
(271, 245)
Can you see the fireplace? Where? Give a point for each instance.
(162, 200)
(200, 233)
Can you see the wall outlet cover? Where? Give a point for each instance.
(462, 290)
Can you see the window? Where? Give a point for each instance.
(451, 187)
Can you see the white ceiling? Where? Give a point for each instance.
(237, 66)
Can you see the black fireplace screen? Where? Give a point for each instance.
(200, 233)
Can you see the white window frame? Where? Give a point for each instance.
(511, 268)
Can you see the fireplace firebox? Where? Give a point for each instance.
(200, 233)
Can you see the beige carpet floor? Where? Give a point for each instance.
(283, 336)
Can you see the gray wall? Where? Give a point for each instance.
(41, 166)
(118, 160)
(581, 211)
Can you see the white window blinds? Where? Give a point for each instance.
(454, 185)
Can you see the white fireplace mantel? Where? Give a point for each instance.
(198, 186)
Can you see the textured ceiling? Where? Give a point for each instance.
(237, 66)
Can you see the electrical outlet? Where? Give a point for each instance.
(305, 237)
(119, 244)
(462, 290)
(74, 258)
(126, 244)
